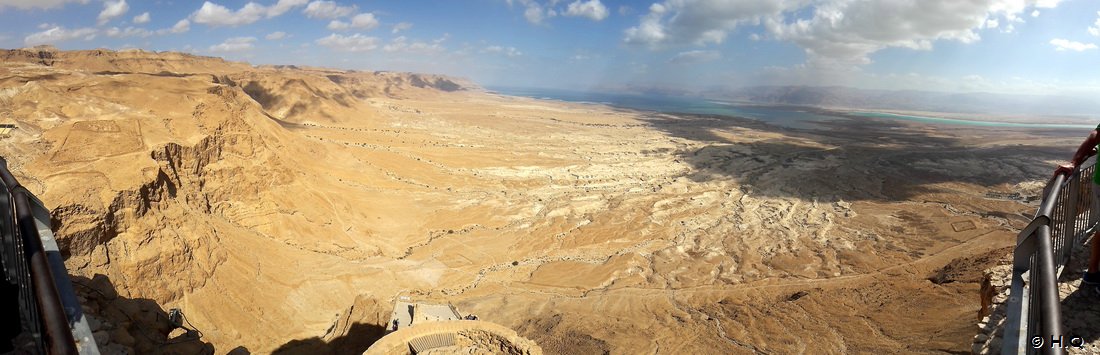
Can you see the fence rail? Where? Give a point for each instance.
(47, 307)
(1066, 217)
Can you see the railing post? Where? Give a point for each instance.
(1019, 300)
(1050, 307)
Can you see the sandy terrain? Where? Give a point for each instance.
(283, 209)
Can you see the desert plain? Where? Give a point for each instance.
(284, 209)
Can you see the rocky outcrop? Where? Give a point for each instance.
(44, 55)
(332, 96)
(127, 61)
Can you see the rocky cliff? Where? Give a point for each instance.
(151, 162)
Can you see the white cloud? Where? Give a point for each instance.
(143, 18)
(849, 32)
(396, 44)
(181, 26)
(60, 34)
(1035, 13)
(1095, 28)
(1067, 45)
(112, 9)
(353, 43)
(592, 9)
(1046, 3)
(534, 12)
(115, 32)
(401, 26)
(37, 4)
(695, 56)
(328, 10)
(364, 21)
(337, 25)
(831, 32)
(234, 44)
(401, 44)
(275, 36)
(650, 30)
(508, 51)
(283, 6)
(212, 14)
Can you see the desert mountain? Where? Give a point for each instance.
(285, 208)
(913, 100)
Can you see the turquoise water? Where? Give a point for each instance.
(784, 116)
(776, 115)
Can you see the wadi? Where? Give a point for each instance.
(286, 209)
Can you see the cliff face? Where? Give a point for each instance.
(330, 96)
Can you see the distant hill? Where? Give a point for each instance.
(125, 61)
(837, 96)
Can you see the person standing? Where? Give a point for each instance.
(1084, 151)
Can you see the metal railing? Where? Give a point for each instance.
(48, 310)
(1066, 217)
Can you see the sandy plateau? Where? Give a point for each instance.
(284, 209)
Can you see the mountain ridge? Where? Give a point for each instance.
(913, 100)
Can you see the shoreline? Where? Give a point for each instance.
(919, 117)
(933, 120)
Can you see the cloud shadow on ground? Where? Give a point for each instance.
(867, 159)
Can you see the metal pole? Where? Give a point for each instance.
(1050, 309)
(1050, 303)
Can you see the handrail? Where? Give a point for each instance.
(52, 320)
(1043, 249)
(1050, 311)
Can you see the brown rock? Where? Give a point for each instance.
(987, 291)
(121, 336)
(101, 337)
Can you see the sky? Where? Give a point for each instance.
(1046, 47)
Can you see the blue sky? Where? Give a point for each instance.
(1008, 46)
